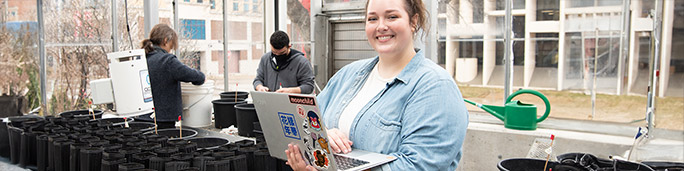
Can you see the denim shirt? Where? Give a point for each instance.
(419, 117)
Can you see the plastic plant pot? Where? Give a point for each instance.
(524, 164)
(112, 147)
(90, 158)
(229, 147)
(186, 157)
(81, 113)
(239, 162)
(126, 139)
(143, 158)
(188, 148)
(61, 155)
(112, 155)
(4, 140)
(159, 140)
(130, 166)
(158, 163)
(201, 162)
(231, 95)
(264, 161)
(74, 153)
(51, 149)
(98, 143)
(224, 112)
(166, 151)
(245, 143)
(222, 154)
(129, 151)
(141, 126)
(176, 165)
(111, 165)
(150, 146)
(135, 143)
(218, 165)
(173, 133)
(245, 116)
(15, 143)
(249, 154)
(209, 142)
(41, 152)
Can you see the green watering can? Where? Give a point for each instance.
(515, 114)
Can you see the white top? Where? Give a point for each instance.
(373, 85)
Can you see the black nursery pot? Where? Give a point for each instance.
(224, 112)
(246, 116)
(90, 158)
(81, 113)
(174, 133)
(264, 161)
(232, 95)
(15, 143)
(206, 143)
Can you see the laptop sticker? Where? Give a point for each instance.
(301, 111)
(324, 144)
(321, 159)
(310, 101)
(289, 124)
(313, 121)
(309, 160)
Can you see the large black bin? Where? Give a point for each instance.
(82, 113)
(224, 112)
(234, 94)
(246, 116)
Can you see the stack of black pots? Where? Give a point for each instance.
(232, 109)
(74, 141)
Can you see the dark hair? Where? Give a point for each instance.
(157, 35)
(279, 39)
(413, 7)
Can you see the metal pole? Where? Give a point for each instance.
(115, 29)
(176, 24)
(654, 62)
(508, 55)
(593, 75)
(225, 46)
(624, 43)
(41, 51)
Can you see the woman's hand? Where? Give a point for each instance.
(261, 88)
(295, 159)
(339, 142)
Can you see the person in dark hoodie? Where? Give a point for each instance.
(284, 70)
(166, 73)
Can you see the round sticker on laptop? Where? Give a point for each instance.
(301, 112)
(314, 121)
(321, 159)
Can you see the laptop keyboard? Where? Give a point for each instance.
(344, 163)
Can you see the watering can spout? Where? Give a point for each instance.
(497, 111)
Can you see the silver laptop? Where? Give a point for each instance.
(295, 118)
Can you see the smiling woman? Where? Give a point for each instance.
(399, 103)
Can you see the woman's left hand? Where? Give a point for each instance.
(295, 159)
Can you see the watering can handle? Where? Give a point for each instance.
(536, 93)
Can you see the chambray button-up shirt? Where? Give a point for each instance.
(419, 117)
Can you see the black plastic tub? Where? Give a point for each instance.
(208, 143)
(144, 158)
(158, 163)
(238, 162)
(176, 165)
(246, 116)
(41, 152)
(201, 162)
(264, 161)
(90, 158)
(174, 133)
(166, 151)
(15, 143)
(74, 156)
(82, 113)
(111, 165)
(232, 95)
(4, 140)
(525, 164)
(224, 112)
(218, 165)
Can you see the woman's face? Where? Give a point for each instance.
(387, 26)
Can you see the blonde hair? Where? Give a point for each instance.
(158, 34)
